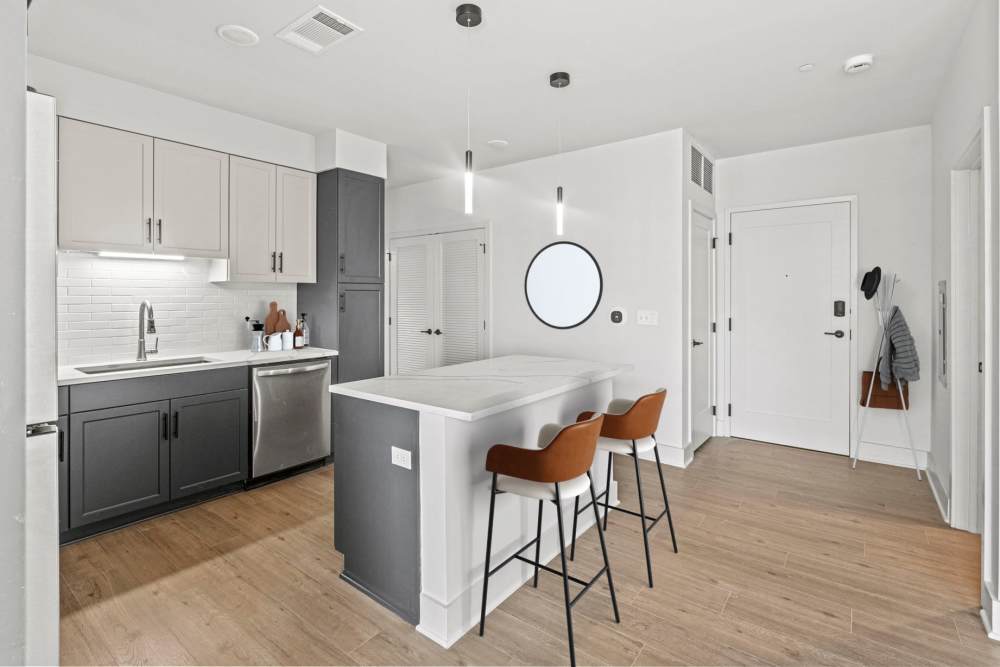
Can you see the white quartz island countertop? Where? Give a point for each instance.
(68, 375)
(478, 389)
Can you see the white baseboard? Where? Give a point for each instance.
(673, 456)
(937, 488)
(989, 613)
(876, 452)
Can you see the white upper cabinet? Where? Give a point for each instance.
(105, 188)
(190, 200)
(272, 224)
(295, 239)
(252, 256)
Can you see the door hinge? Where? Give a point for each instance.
(730, 324)
(980, 367)
(484, 325)
(390, 320)
(713, 327)
(484, 247)
(713, 410)
(714, 239)
(730, 410)
(390, 256)
(730, 238)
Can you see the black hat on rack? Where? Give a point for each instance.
(870, 283)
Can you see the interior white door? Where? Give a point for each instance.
(190, 200)
(412, 308)
(702, 291)
(790, 372)
(462, 322)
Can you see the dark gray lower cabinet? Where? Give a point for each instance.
(63, 425)
(208, 446)
(360, 340)
(119, 461)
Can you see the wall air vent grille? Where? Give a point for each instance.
(317, 30)
(696, 160)
(708, 176)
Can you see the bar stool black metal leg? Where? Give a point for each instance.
(607, 488)
(663, 488)
(538, 541)
(576, 514)
(565, 575)
(604, 548)
(489, 546)
(642, 512)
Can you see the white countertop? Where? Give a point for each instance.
(68, 375)
(481, 388)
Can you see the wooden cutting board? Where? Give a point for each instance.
(283, 323)
(271, 320)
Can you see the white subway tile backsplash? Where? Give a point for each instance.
(98, 307)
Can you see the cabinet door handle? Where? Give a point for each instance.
(343, 263)
(281, 262)
(177, 424)
(149, 230)
(166, 427)
(159, 230)
(343, 302)
(62, 446)
(274, 260)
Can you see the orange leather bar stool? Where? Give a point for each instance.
(557, 471)
(629, 429)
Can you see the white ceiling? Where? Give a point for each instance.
(725, 69)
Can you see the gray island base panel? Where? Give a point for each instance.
(415, 539)
(377, 504)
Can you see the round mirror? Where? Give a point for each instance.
(563, 285)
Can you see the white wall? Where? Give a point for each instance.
(891, 175)
(970, 85)
(624, 204)
(345, 150)
(12, 414)
(98, 307)
(96, 98)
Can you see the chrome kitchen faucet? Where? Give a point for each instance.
(147, 324)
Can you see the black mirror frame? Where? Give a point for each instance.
(600, 293)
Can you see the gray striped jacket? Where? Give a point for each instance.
(900, 360)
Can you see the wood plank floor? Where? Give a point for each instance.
(786, 557)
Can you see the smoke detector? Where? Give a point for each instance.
(237, 35)
(317, 30)
(858, 64)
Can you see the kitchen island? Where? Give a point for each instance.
(411, 494)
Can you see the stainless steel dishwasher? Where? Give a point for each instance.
(291, 415)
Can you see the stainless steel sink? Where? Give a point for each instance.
(137, 365)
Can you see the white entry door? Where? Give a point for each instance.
(790, 371)
(438, 300)
(702, 291)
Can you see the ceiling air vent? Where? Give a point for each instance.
(696, 159)
(318, 30)
(708, 176)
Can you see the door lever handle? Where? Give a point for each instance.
(838, 333)
(426, 331)
(696, 343)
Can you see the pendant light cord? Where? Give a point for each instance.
(468, 85)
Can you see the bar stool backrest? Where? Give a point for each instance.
(640, 421)
(569, 455)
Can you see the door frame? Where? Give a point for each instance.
(713, 352)
(724, 392)
(960, 508)
(487, 229)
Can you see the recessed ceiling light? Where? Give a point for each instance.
(498, 143)
(808, 67)
(861, 63)
(237, 34)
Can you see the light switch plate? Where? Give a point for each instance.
(401, 458)
(647, 318)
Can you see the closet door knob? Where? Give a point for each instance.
(438, 332)
(426, 331)
(696, 343)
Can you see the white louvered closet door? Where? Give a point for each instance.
(413, 282)
(438, 302)
(462, 320)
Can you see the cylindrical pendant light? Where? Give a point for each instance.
(559, 80)
(468, 16)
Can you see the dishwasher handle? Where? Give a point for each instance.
(293, 370)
